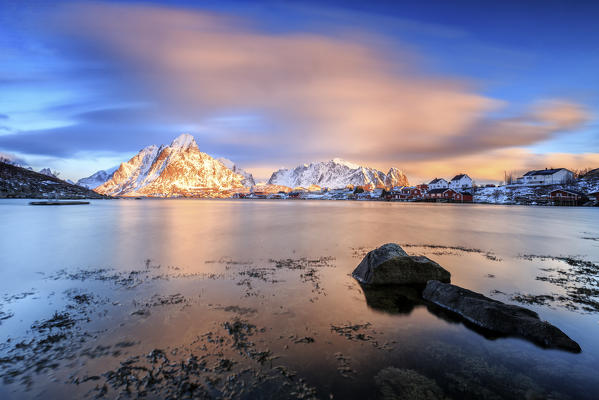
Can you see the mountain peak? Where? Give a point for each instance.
(346, 163)
(172, 171)
(184, 141)
(48, 172)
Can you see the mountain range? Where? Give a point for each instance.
(182, 170)
(336, 174)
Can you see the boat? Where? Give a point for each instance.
(57, 203)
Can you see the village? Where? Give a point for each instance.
(551, 186)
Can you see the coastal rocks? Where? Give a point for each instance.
(395, 383)
(391, 265)
(496, 316)
(392, 282)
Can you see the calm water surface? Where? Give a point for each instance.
(254, 299)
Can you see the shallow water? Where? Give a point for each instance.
(254, 299)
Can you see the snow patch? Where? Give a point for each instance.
(184, 141)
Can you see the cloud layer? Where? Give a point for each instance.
(286, 97)
(321, 95)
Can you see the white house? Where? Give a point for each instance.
(438, 183)
(461, 181)
(547, 177)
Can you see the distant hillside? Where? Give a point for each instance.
(17, 182)
(592, 174)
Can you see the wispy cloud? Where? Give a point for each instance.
(309, 96)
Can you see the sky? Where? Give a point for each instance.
(432, 87)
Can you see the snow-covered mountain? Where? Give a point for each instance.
(337, 174)
(48, 172)
(97, 179)
(179, 169)
(249, 178)
(396, 177)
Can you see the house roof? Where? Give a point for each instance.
(436, 180)
(466, 193)
(543, 171)
(568, 191)
(458, 177)
(442, 190)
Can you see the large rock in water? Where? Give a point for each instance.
(391, 265)
(498, 317)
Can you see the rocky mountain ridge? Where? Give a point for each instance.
(177, 170)
(336, 174)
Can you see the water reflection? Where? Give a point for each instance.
(403, 299)
(211, 261)
(393, 299)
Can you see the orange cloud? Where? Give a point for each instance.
(490, 166)
(320, 96)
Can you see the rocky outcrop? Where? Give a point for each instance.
(17, 182)
(391, 265)
(496, 316)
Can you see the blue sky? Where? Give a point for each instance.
(85, 85)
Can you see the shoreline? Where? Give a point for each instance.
(299, 199)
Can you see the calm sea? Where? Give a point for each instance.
(254, 299)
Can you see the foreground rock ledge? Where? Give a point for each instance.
(391, 265)
(497, 316)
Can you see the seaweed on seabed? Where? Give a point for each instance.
(53, 342)
(157, 376)
(359, 332)
(344, 365)
(311, 266)
(5, 315)
(303, 262)
(240, 330)
(58, 321)
(579, 278)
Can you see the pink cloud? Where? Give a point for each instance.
(322, 96)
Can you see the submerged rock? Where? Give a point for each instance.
(391, 265)
(395, 383)
(498, 317)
